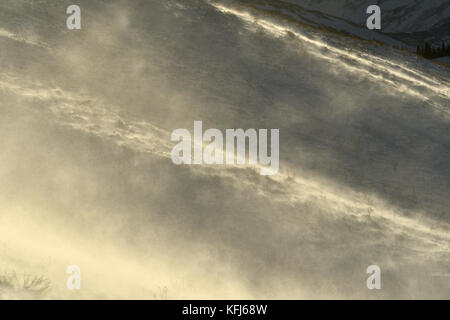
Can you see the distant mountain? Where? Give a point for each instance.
(398, 15)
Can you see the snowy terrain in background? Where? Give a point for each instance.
(87, 178)
(398, 15)
(405, 22)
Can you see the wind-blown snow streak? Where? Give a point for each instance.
(140, 208)
(93, 117)
(398, 76)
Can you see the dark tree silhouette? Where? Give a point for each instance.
(429, 52)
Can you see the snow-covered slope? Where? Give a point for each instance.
(409, 22)
(397, 15)
(294, 13)
(86, 176)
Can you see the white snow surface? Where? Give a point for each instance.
(87, 177)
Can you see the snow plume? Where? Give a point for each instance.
(88, 180)
(15, 37)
